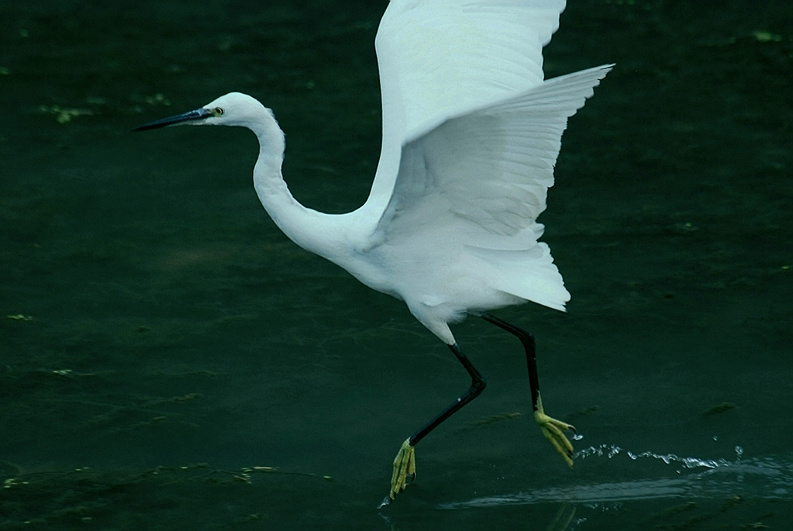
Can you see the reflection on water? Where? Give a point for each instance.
(692, 493)
(695, 478)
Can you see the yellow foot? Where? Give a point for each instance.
(554, 431)
(404, 468)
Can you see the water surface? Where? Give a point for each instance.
(169, 360)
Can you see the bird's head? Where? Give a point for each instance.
(234, 108)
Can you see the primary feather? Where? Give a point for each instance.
(440, 57)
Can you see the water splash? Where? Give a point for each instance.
(612, 450)
(763, 478)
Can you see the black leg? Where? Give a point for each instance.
(552, 429)
(405, 461)
(527, 340)
(478, 385)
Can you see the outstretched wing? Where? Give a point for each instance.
(490, 168)
(479, 181)
(438, 58)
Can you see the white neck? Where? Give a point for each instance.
(311, 230)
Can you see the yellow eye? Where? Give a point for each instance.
(217, 111)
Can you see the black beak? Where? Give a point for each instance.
(198, 114)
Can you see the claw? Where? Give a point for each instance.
(404, 468)
(553, 431)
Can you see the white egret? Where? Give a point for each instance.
(471, 133)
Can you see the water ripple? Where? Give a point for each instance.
(763, 478)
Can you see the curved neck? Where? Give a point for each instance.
(311, 230)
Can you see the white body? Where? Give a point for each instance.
(471, 133)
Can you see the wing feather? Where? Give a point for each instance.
(489, 169)
(439, 57)
(471, 134)
(444, 55)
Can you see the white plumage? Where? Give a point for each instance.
(471, 133)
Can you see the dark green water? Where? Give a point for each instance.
(159, 338)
